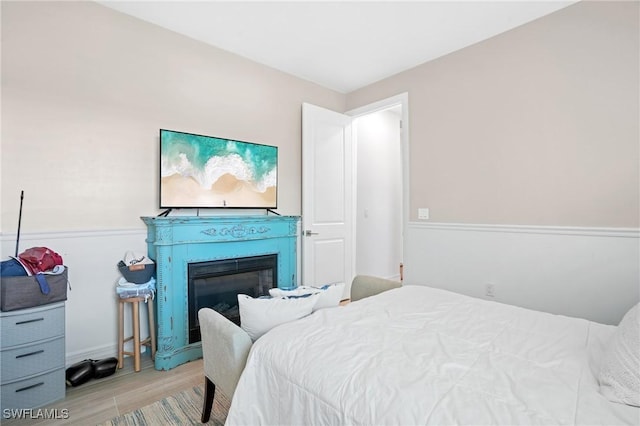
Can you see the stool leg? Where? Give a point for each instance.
(136, 336)
(152, 329)
(120, 333)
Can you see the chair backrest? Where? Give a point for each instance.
(225, 348)
(364, 286)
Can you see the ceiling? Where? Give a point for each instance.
(340, 45)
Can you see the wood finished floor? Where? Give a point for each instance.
(99, 400)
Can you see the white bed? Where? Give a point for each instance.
(418, 355)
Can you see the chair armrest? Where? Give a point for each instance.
(225, 348)
(364, 286)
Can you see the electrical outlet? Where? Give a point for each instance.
(423, 213)
(490, 290)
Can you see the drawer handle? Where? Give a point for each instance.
(30, 353)
(28, 321)
(30, 387)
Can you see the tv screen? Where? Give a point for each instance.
(199, 171)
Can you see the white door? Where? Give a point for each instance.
(327, 198)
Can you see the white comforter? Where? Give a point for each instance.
(418, 355)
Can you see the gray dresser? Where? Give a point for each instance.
(32, 356)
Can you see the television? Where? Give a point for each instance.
(199, 171)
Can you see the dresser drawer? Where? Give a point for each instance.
(29, 325)
(34, 392)
(28, 360)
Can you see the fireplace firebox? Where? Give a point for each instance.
(216, 285)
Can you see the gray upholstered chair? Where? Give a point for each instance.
(364, 286)
(225, 348)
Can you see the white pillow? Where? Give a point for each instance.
(257, 316)
(620, 370)
(330, 294)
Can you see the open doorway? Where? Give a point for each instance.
(379, 197)
(330, 212)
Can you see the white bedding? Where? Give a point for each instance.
(418, 355)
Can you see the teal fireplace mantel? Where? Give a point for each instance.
(175, 242)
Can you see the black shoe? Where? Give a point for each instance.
(79, 373)
(104, 367)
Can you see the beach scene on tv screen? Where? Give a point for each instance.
(203, 171)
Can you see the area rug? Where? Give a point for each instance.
(183, 408)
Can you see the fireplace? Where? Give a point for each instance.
(177, 243)
(216, 285)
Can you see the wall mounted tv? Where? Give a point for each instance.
(199, 171)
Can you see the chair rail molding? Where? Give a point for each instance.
(531, 229)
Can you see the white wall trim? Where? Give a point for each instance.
(57, 235)
(91, 309)
(531, 229)
(99, 352)
(588, 272)
(96, 352)
(401, 98)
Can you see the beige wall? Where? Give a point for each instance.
(537, 126)
(85, 90)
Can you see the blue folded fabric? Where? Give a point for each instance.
(126, 289)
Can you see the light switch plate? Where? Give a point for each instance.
(423, 213)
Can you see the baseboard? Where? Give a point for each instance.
(99, 352)
(106, 351)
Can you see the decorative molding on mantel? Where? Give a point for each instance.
(237, 231)
(530, 229)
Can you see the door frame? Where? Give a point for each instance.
(401, 99)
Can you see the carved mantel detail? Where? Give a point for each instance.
(237, 231)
